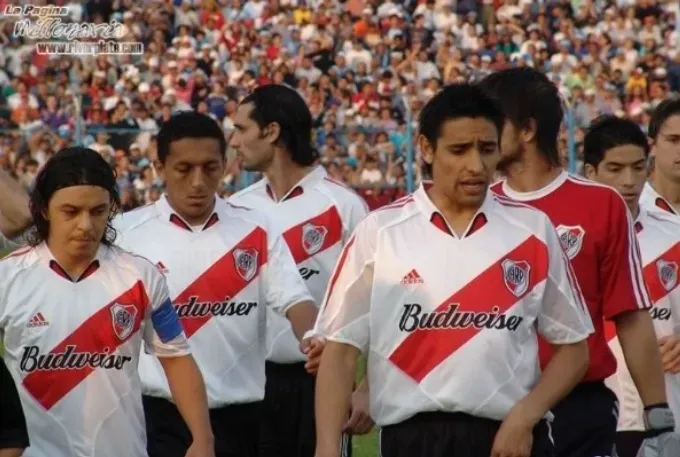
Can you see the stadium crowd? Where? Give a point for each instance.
(364, 67)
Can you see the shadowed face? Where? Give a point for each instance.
(193, 172)
(77, 219)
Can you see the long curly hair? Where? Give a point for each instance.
(74, 166)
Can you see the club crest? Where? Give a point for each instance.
(123, 318)
(571, 239)
(313, 237)
(668, 274)
(246, 262)
(516, 276)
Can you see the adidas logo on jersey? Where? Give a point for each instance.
(38, 320)
(412, 278)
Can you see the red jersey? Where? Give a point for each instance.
(598, 235)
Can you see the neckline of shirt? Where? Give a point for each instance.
(535, 194)
(298, 189)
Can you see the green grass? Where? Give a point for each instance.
(362, 446)
(367, 445)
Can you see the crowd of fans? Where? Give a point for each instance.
(364, 67)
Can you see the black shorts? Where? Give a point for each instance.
(288, 427)
(235, 427)
(585, 422)
(13, 432)
(439, 434)
(629, 443)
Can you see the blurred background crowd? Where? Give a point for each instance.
(365, 67)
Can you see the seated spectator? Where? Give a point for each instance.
(364, 68)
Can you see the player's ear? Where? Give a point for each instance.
(590, 171)
(528, 132)
(426, 149)
(272, 132)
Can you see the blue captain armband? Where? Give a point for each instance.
(166, 322)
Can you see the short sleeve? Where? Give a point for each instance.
(564, 317)
(13, 432)
(163, 333)
(284, 286)
(344, 317)
(623, 286)
(356, 211)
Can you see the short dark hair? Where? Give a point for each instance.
(74, 166)
(285, 106)
(453, 102)
(525, 94)
(608, 132)
(188, 124)
(666, 109)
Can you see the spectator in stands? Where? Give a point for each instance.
(363, 66)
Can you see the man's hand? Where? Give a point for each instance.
(360, 422)
(669, 346)
(515, 436)
(201, 448)
(313, 348)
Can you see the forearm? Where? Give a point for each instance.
(188, 392)
(13, 206)
(333, 396)
(302, 317)
(564, 371)
(11, 452)
(363, 384)
(641, 351)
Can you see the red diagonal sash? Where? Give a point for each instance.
(329, 220)
(222, 279)
(94, 336)
(423, 350)
(657, 291)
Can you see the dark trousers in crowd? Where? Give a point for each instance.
(439, 434)
(629, 443)
(585, 422)
(235, 428)
(288, 428)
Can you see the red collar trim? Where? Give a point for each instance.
(638, 227)
(663, 204)
(58, 269)
(296, 192)
(179, 222)
(438, 221)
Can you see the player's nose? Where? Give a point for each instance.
(474, 162)
(628, 177)
(85, 223)
(233, 140)
(197, 178)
